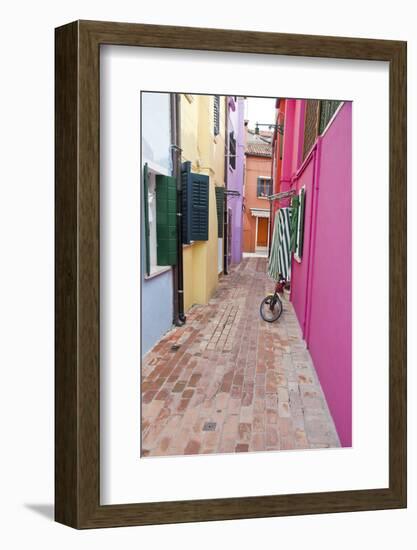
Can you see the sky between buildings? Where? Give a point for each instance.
(260, 110)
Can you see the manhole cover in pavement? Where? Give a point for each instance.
(209, 427)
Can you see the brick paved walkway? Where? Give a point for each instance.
(227, 381)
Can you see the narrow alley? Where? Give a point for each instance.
(227, 381)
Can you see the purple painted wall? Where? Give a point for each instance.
(236, 111)
(322, 282)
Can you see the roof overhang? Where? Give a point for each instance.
(260, 212)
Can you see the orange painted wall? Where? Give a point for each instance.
(277, 161)
(276, 152)
(255, 167)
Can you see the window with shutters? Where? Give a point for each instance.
(264, 187)
(195, 205)
(166, 220)
(327, 110)
(216, 115)
(295, 203)
(220, 210)
(232, 150)
(297, 224)
(160, 222)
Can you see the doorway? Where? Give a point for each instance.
(262, 235)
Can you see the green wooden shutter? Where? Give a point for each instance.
(185, 202)
(199, 207)
(146, 219)
(166, 220)
(195, 205)
(295, 202)
(301, 232)
(220, 210)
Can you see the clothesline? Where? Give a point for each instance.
(283, 195)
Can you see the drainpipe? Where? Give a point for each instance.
(274, 136)
(313, 233)
(226, 175)
(178, 270)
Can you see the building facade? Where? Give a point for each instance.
(235, 176)
(257, 188)
(316, 163)
(156, 279)
(203, 123)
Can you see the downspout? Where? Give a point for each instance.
(178, 270)
(226, 177)
(272, 188)
(313, 232)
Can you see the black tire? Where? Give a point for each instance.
(271, 308)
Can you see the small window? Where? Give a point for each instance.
(297, 224)
(264, 187)
(232, 150)
(216, 115)
(220, 210)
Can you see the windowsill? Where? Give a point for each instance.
(158, 270)
(263, 198)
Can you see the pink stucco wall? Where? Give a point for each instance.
(299, 271)
(322, 282)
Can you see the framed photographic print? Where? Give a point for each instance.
(230, 274)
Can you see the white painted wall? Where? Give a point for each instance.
(26, 289)
(156, 131)
(219, 255)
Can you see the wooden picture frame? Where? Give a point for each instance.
(77, 382)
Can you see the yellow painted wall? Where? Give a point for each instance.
(205, 151)
(187, 259)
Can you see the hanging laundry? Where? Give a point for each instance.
(280, 257)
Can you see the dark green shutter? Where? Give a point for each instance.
(220, 210)
(295, 202)
(195, 205)
(185, 201)
(146, 216)
(301, 214)
(199, 207)
(166, 220)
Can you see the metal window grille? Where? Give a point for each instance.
(311, 125)
(216, 115)
(232, 150)
(327, 110)
(264, 187)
